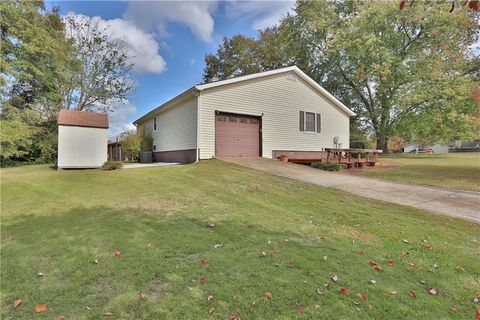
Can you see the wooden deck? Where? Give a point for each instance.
(349, 157)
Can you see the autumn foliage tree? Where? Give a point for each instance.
(408, 73)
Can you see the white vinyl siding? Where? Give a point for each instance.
(176, 126)
(81, 147)
(278, 101)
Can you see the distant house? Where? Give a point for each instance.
(467, 146)
(82, 139)
(436, 148)
(115, 151)
(261, 114)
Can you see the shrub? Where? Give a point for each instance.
(112, 165)
(326, 166)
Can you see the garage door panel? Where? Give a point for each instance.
(237, 136)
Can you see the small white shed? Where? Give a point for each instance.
(82, 139)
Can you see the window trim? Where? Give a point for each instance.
(303, 122)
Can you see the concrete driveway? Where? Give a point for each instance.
(461, 204)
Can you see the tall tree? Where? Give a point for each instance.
(104, 80)
(402, 71)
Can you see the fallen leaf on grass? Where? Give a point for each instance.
(453, 308)
(117, 253)
(393, 292)
(477, 315)
(234, 317)
(218, 245)
(363, 297)
(373, 281)
(412, 264)
(375, 266)
(390, 263)
(412, 294)
(433, 291)
(405, 241)
(210, 297)
(299, 311)
(40, 274)
(41, 308)
(423, 282)
(267, 296)
(142, 296)
(334, 278)
(263, 254)
(204, 261)
(344, 291)
(61, 318)
(149, 245)
(211, 311)
(203, 280)
(211, 225)
(476, 299)
(356, 302)
(96, 261)
(108, 314)
(323, 238)
(17, 303)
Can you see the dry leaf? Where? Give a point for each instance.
(325, 258)
(433, 291)
(412, 294)
(317, 306)
(356, 302)
(323, 238)
(318, 291)
(412, 264)
(375, 266)
(234, 317)
(405, 241)
(326, 285)
(335, 278)
(210, 297)
(393, 292)
(41, 307)
(211, 225)
(269, 241)
(390, 263)
(211, 311)
(108, 314)
(263, 254)
(299, 311)
(142, 296)
(423, 282)
(373, 281)
(204, 261)
(89, 308)
(453, 308)
(218, 245)
(203, 280)
(61, 318)
(189, 288)
(40, 274)
(117, 253)
(267, 296)
(344, 291)
(477, 315)
(149, 245)
(17, 303)
(96, 261)
(362, 296)
(476, 299)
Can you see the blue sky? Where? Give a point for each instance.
(170, 40)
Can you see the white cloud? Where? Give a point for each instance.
(118, 120)
(140, 45)
(263, 13)
(196, 15)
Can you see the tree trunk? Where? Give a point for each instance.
(382, 142)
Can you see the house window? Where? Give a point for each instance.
(310, 121)
(154, 147)
(155, 123)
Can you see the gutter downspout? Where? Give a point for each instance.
(196, 92)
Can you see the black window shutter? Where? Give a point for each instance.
(302, 121)
(319, 123)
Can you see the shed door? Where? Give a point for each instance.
(237, 136)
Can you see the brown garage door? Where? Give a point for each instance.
(237, 136)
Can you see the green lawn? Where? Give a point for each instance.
(452, 170)
(59, 222)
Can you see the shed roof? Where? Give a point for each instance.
(83, 119)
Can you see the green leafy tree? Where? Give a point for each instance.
(103, 81)
(131, 143)
(407, 72)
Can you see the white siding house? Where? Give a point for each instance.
(252, 115)
(82, 139)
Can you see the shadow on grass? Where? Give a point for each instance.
(161, 257)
